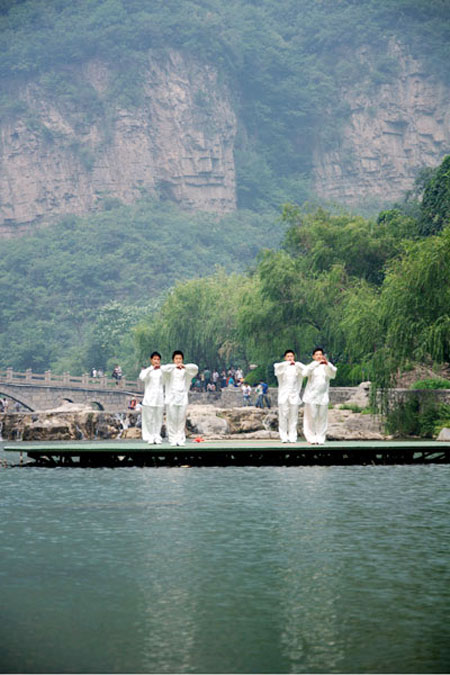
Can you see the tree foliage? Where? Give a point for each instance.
(435, 206)
(373, 296)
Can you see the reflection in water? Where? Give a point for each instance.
(309, 629)
(225, 570)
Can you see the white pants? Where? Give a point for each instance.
(315, 422)
(152, 418)
(176, 421)
(287, 421)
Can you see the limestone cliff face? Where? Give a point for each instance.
(393, 130)
(178, 143)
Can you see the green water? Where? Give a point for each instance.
(225, 570)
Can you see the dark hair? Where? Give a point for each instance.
(318, 349)
(176, 352)
(155, 354)
(289, 351)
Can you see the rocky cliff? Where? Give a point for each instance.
(178, 143)
(393, 129)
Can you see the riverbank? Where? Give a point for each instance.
(78, 423)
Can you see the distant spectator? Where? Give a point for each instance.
(132, 404)
(263, 398)
(117, 373)
(246, 394)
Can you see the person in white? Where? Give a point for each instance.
(246, 393)
(153, 402)
(177, 378)
(289, 374)
(315, 420)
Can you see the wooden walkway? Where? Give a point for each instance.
(229, 453)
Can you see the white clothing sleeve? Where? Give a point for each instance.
(145, 373)
(307, 370)
(191, 369)
(279, 368)
(331, 370)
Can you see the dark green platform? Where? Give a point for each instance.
(231, 452)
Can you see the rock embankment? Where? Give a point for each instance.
(72, 422)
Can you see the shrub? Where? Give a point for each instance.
(431, 383)
(415, 417)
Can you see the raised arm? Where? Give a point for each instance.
(280, 368)
(331, 370)
(168, 367)
(191, 369)
(145, 372)
(307, 370)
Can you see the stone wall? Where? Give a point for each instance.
(231, 397)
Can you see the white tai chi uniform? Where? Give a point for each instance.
(152, 404)
(316, 399)
(177, 382)
(290, 376)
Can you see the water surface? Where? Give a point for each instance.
(225, 570)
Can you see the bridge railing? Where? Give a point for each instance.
(10, 376)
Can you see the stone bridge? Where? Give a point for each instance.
(34, 391)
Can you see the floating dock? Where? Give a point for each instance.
(117, 453)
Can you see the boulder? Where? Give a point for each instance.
(444, 435)
(361, 397)
(345, 425)
(250, 419)
(202, 420)
(64, 424)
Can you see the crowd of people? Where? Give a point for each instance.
(213, 380)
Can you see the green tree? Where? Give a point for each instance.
(435, 207)
(200, 318)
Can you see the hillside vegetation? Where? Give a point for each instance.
(285, 61)
(66, 290)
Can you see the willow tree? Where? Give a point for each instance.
(408, 318)
(415, 301)
(199, 317)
